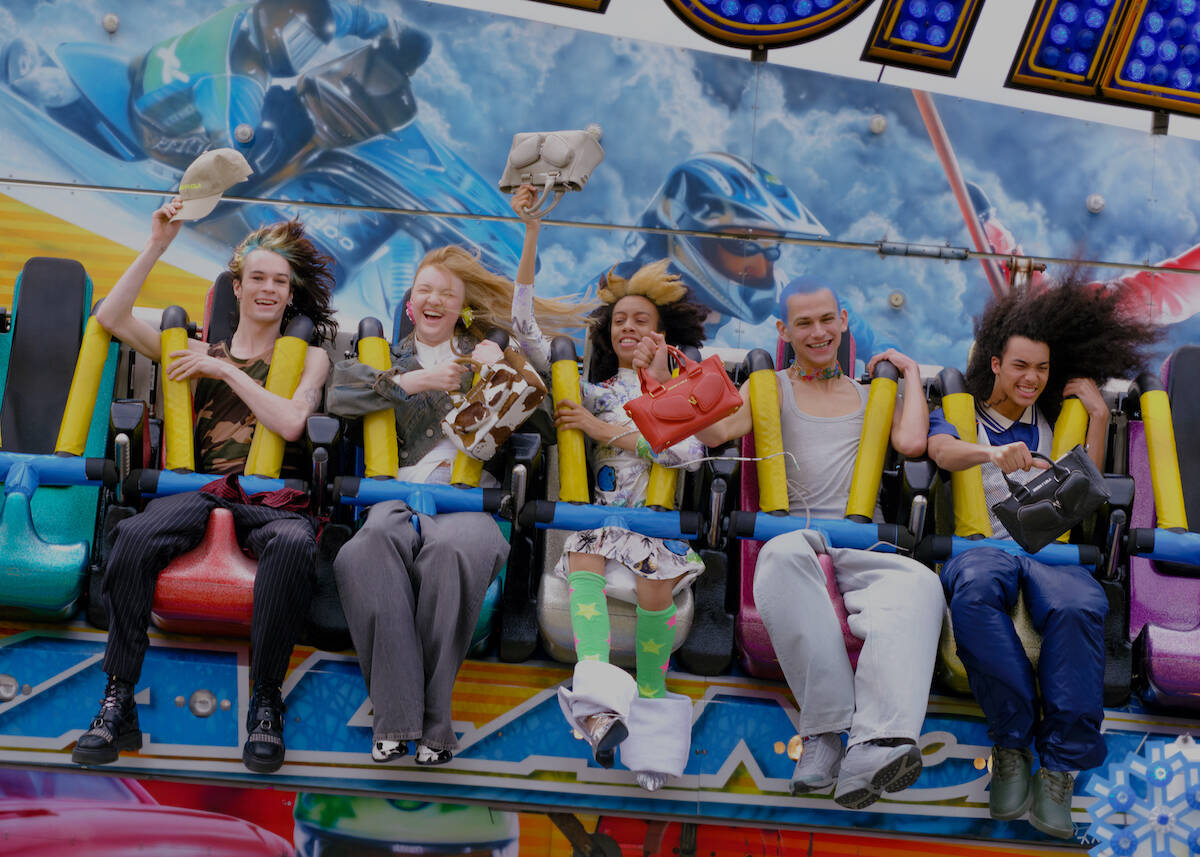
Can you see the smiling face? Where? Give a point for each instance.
(1021, 374)
(265, 288)
(814, 328)
(633, 317)
(437, 299)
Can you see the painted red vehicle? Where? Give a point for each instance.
(56, 814)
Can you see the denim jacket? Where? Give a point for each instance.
(358, 389)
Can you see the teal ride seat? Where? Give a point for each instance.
(46, 530)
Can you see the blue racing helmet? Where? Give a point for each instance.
(718, 192)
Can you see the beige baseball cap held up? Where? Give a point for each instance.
(209, 176)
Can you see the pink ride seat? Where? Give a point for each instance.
(209, 589)
(755, 652)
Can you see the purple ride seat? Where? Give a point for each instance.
(1164, 603)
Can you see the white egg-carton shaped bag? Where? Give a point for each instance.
(555, 161)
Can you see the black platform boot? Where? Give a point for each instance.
(264, 748)
(115, 727)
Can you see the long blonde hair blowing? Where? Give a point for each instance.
(490, 295)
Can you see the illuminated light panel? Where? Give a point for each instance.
(929, 35)
(586, 5)
(1066, 44)
(1155, 60)
(762, 24)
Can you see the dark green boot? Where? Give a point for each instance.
(1010, 793)
(1051, 809)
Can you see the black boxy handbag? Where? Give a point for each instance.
(1048, 505)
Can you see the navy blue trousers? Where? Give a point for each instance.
(1068, 607)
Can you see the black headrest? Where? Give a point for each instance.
(52, 301)
(402, 325)
(1184, 375)
(220, 310)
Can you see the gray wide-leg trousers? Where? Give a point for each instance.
(412, 601)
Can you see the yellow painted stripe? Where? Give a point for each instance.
(26, 231)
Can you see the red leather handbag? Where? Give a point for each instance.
(698, 396)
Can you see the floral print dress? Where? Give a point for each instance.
(621, 477)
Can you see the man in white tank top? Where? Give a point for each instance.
(1066, 603)
(894, 603)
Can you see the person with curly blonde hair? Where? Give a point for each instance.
(277, 274)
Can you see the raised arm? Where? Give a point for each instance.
(524, 322)
(284, 416)
(910, 422)
(116, 310)
(1096, 441)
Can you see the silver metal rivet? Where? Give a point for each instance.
(202, 703)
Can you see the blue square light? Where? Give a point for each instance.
(1065, 45)
(1155, 57)
(931, 35)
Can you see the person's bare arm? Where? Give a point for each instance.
(286, 417)
(115, 313)
(1096, 441)
(951, 453)
(737, 424)
(910, 422)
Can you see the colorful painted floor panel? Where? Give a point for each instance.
(516, 750)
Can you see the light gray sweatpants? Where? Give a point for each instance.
(412, 603)
(895, 605)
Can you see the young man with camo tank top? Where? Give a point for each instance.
(278, 274)
(894, 603)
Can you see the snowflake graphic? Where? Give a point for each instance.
(1149, 806)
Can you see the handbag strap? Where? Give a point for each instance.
(1021, 492)
(680, 360)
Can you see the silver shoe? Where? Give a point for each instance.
(651, 781)
(604, 732)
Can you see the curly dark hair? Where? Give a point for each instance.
(312, 277)
(680, 322)
(1089, 333)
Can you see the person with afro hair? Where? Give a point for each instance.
(1033, 348)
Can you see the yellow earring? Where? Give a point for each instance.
(467, 315)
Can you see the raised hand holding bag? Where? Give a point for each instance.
(700, 395)
(1053, 502)
(505, 395)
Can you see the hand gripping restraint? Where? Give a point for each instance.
(700, 395)
(505, 395)
(1042, 509)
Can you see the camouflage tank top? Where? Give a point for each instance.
(224, 423)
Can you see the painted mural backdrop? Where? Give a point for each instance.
(358, 117)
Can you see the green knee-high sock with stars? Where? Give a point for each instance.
(589, 616)
(655, 634)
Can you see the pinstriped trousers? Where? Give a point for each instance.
(284, 542)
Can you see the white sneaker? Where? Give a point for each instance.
(873, 767)
(820, 759)
(387, 751)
